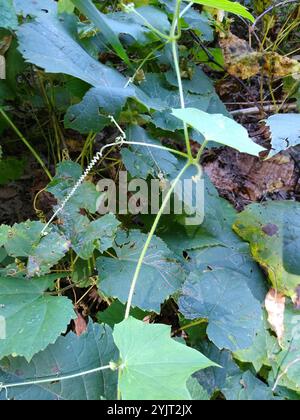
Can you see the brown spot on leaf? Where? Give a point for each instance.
(80, 324)
(270, 229)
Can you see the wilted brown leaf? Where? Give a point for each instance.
(243, 62)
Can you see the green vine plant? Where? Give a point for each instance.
(172, 38)
(128, 344)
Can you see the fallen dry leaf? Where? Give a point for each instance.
(242, 178)
(275, 305)
(243, 62)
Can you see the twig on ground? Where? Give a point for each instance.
(266, 108)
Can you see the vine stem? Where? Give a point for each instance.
(186, 9)
(201, 150)
(190, 161)
(284, 373)
(54, 378)
(178, 74)
(149, 238)
(149, 26)
(157, 146)
(26, 142)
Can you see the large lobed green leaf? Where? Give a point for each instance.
(161, 275)
(154, 366)
(87, 8)
(272, 229)
(33, 319)
(223, 297)
(67, 175)
(49, 42)
(234, 383)
(24, 240)
(220, 129)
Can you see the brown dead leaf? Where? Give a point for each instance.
(80, 324)
(243, 62)
(243, 179)
(280, 66)
(275, 305)
(238, 57)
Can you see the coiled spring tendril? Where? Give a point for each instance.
(118, 142)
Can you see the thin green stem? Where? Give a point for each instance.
(54, 378)
(151, 27)
(175, 23)
(201, 150)
(119, 396)
(157, 146)
(191, 325)
(173, 39)
(186, 9)
(27, 144)
(149, 238)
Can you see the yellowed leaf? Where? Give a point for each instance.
(243, 62)
(275, 305)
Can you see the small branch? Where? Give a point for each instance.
(256, 110)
